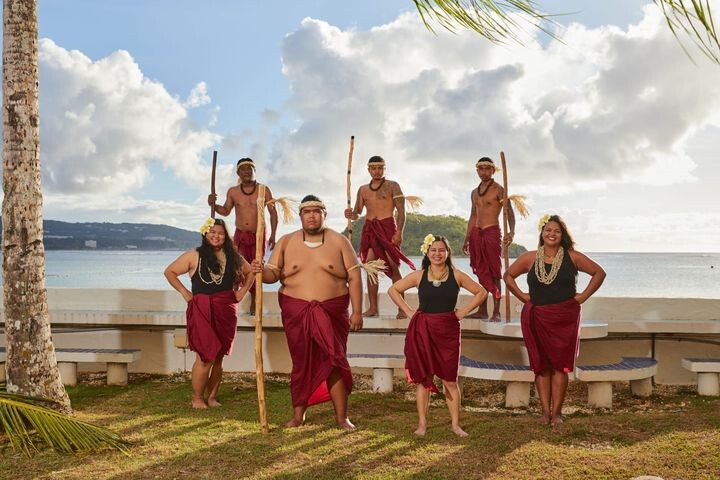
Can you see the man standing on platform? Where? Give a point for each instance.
(319, 273)
(483, 241)
(381, 236)
(243, 198)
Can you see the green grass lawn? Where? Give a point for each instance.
(673, 434)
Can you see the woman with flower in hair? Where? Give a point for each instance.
(216, 273)
(550, 319)
(432, 342)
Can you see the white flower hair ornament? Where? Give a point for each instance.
(209, 223)
(427, 241)
(543, 220)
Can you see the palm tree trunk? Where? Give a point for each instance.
(30, 359)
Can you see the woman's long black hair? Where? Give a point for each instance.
(233, 260)
(566, 241)
(448, 260)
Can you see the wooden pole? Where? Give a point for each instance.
(506, 248)
(349, 193)
(259, 371)
(212, 183)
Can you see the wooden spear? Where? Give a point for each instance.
(349, 193)
(212, 183)
(506, 247)
(259, 371)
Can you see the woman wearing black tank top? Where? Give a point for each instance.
(216, 271)
(550, 318)
(432, 342)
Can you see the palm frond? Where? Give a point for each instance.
(495, 20)
(286, 208)
(498, 20)
(694, 19)
(518, 202)
(20, 416)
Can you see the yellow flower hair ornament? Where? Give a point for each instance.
(427, 241)
(543, 220)
(209, 223)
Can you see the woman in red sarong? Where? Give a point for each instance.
(216, 271)
(550, 319)
(432, 342)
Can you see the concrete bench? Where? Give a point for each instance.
(519, 378)
(117, 361)
(639, 371)
(707, 370)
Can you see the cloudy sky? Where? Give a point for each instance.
(611, 126)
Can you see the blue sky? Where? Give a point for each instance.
(614, 128)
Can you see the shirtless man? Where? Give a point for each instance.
(243, 198)
(483, 241)
(319, 273)
(381, 237)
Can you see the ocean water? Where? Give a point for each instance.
(652, 275)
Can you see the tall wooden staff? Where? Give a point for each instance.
(349, 193)
(506, 247)
(212, 183)
(259, 371)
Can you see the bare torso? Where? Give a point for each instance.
(245, 207)
(380, 203)
(313, 273)
(487, 206)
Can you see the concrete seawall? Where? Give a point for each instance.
(666, 329)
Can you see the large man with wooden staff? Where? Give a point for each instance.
(243, 198)
(483, 240)
(320, 277)
(382, 233)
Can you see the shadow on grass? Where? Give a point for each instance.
(173, 440)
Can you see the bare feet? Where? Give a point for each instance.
(346, 424)
(477, 314)
(556, 421)
(370, 313)
(294, 422)
(400, 315)
(544, 419)
(212, 402)
(199, 403)
(421, 430)
(459, 431)
(495, 317)
(252, 307)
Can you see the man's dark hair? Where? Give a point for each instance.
(310, 198)
(376, 158)
(486, 159)
(246, 159)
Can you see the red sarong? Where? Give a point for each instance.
(551, 334)
(432, 347)
(245, 242)
(317, 334)
(211, 324)
(377, 235)
(485, 255)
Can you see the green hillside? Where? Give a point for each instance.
(418, 225)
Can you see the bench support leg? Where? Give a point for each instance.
(68, 373)
(600, 394)
(708, 384)
(2, 372)
(382, 380)
(117, 373)
(642, 387)
(517, 394)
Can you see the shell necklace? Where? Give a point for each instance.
(439, 279)
(215, 278)
(544, 277)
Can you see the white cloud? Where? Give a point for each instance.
(104, 123)
(198, 96)
(608, 107)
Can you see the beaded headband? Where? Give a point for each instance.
(376, 164)
(311, 203)
(246, 162)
